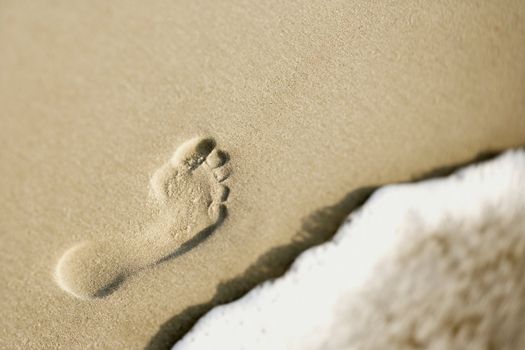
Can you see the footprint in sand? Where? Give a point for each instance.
(190, 197)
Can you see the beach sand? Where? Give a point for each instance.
(311, 101)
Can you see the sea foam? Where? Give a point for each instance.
(436, 265)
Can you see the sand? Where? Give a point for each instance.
(190, 195)
(313, 102)
(433, 265)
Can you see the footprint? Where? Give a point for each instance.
(190, 197)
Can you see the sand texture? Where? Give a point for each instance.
(191, 197)
(312, 102)
(434, 265)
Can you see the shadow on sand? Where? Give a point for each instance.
(315, 229)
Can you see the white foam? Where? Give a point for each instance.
(434, 265)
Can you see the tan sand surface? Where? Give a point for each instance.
(311, 100)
